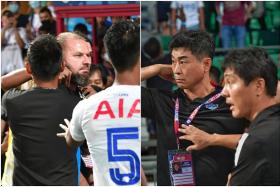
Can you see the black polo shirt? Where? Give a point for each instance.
(212, 164)
(257, 162)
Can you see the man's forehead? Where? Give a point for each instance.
(180, 52)
(78, 43)
(77, 40)
(229, 72)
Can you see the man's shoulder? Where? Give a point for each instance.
(13, 93)
(158, 93)
(69, 93)
(267, 119)
(119, 91)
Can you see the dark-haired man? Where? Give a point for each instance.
(250, 90)
(110, 119)
(76, 55)
(46, 16)
(40, 157)
(198, 102)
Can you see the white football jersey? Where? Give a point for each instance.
(110, 122)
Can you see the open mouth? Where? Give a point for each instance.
(231, 106)
(179, 80)
(84, 70)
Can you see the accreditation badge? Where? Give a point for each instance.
(181, 168)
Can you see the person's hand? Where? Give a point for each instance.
(88, 91)
(65, 128)
(165, 72)
(199, 138)
(65, 77)
(14, 23)
(229, 177)
(4, 144)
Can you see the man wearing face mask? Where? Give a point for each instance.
(13, 40)
(21, 21)
(34, 19)
(14, 7)
(46, 16)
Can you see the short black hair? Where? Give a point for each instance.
(199, 43)
(45, 57)
(48, 27)
(152, 47)
(81, 28)
(45, 9)
(122, 41)
(252, 63)
(7, 13)
(102, 69)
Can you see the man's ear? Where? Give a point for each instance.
(260, 86)
(207, 62)
(28, 68)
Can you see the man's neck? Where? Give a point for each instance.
(261, 105)
(200, 90)
(52, 84)
(127, 78)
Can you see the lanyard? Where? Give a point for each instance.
(192, 116)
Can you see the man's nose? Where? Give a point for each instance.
(224, 91)
(177, 68)
(87, 60)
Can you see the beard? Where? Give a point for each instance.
(80, 80)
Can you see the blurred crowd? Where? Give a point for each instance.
(228, 22)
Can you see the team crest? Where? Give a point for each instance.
(211, 106)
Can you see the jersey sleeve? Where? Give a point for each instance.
(76, 123)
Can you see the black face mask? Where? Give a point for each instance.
(96, 88)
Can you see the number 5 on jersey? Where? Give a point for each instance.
(123, 155)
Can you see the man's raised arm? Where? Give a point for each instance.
(162, 70)
(14, 79)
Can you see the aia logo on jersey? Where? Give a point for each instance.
(104, 108)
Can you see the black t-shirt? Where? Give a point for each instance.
(212, 164)
(258, 162)
(41, 158)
